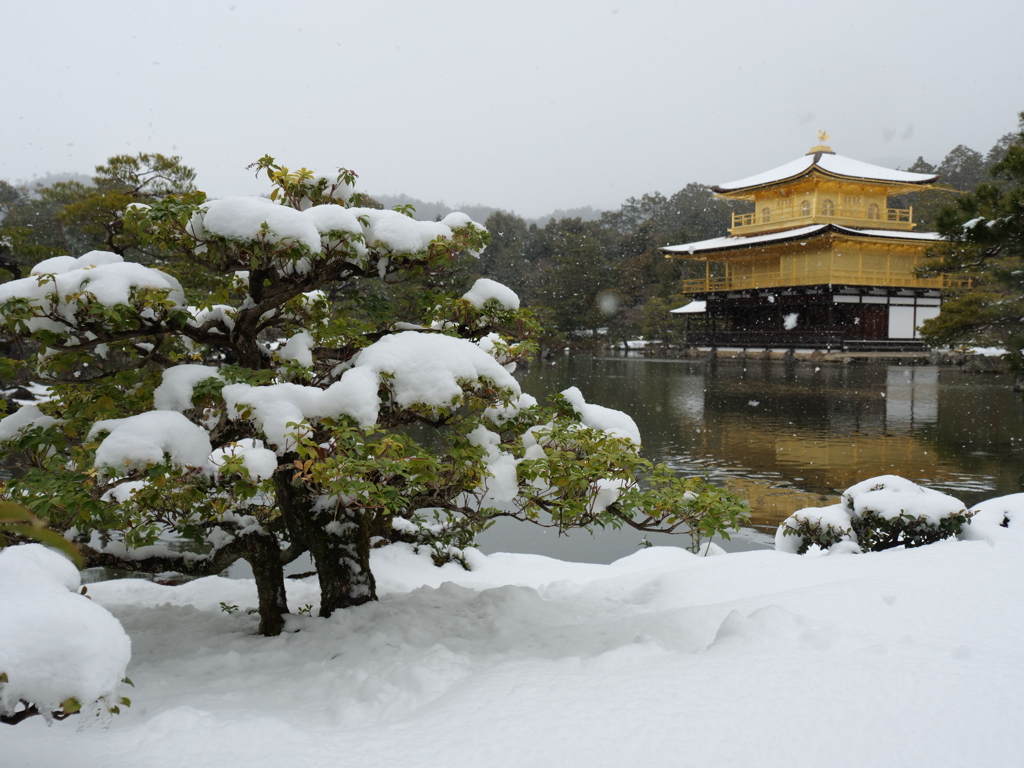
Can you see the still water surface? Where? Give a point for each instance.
(788, 435)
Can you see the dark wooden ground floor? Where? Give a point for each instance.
(817, 317)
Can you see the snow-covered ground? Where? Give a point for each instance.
(901, 658)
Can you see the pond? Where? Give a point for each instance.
(789, 434)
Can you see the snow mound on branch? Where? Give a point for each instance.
(423, 369)
(429, 368)
(110, 283)
(259, 461)
(243, 218)
(499, 414)
(137, 441)
(503, 483)
(25, 418)
(124, 491)
(58, 265)
(298, 348)
(335, 218)
(458, 220)
(178, 383)
(54, 644)
(397, 233)
(615, 423)
(222, 313)
(484, 290)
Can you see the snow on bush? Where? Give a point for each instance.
(178, 384)
(424, 370)
(876, 514)
(485, 290)
(55, 644)
(64, 288)
(144, 439)
(25, 418)
(258, 461)
(990, 518)
(608, 420)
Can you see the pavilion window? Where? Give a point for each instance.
(828, 208)
(766, 215)
(805, 208)
(873, 212)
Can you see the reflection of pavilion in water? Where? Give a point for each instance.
(795, 437)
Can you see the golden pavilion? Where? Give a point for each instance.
(822, 261)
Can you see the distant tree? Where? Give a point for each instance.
(120, 182)
(999, 150)
(984, 233)
(32, 229)
(963, 168)
(427, 211)
(692, 213)
(579, 285)
(927, 202)
(511, 258)
(922, 166)
(583, 213)
(72, 218)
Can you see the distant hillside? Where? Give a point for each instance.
(52, 178)
(586, 213)
(430, 211)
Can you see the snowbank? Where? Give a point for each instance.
(54, 643)
(993, 517)
(661, 659)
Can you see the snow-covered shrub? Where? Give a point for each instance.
(873, 515)
(333, 378)
(60, 652)
(991, 517)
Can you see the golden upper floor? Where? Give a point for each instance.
(823, 188)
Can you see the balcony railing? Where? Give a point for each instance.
(879, 279)
(903, 217)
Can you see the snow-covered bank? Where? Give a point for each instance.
(907, 657)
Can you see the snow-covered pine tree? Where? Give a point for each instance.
(328, 393)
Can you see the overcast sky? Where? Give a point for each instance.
(527, 106)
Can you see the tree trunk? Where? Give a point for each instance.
(338, 541)
(264, 555)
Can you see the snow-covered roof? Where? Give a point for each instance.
(693, 308)
(735, 242)
(830, 164)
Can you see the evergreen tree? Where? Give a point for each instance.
(963, 168)
(985, 242)
(336, 393)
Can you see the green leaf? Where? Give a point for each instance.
(70, 706)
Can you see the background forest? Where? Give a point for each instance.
(582, 269)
